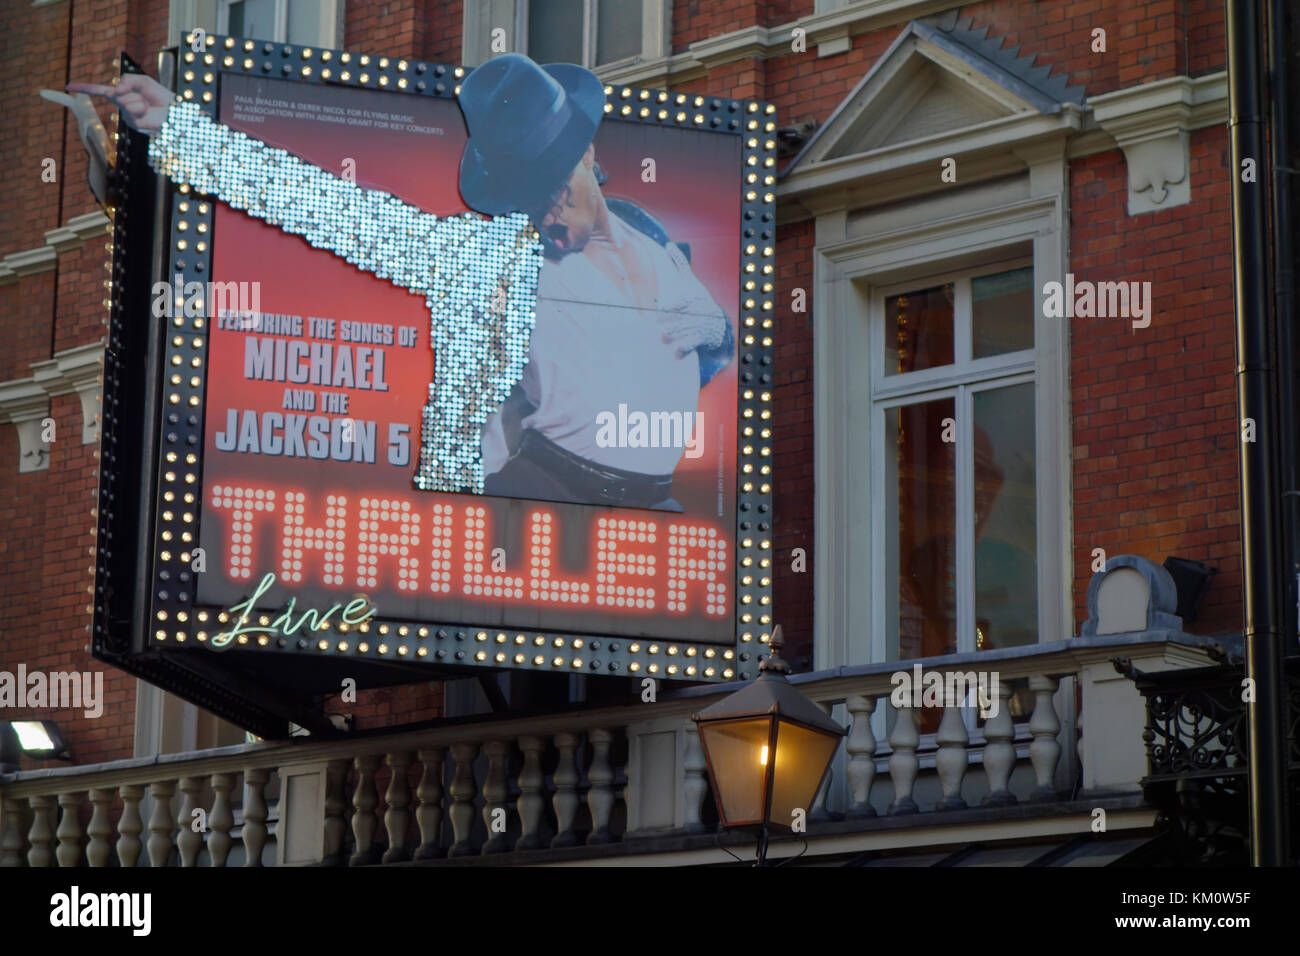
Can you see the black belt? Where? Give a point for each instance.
(590, 480)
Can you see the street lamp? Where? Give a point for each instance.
(768, 749)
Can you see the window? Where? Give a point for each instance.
(954, 475)
(587, 32)
(306, 22)
(597, 34)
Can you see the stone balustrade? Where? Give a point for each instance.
(585, 779)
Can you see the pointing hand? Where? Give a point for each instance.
(142, 99)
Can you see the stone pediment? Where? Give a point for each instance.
(921, 99)
(937, 78)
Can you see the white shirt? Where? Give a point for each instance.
(594, 347)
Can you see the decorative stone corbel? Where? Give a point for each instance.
(79, 370)
(1151, 123)
(25, 405)
(25, 402)
(76, 232)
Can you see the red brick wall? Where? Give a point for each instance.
(1154, 464)
(701, 19)
(33, 127)
(444, 28)
(1155, 454)
(792, 449)
(421, 29)
(46, 515)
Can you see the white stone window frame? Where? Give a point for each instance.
(959, 381)
(481, 17)
(848, 273)
(210, 15)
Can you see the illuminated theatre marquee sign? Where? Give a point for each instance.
(498, 399)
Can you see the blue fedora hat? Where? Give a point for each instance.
(528, 127)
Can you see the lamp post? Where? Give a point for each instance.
(767, 748)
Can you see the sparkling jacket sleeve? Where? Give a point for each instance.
(478, 275)
(371, 229)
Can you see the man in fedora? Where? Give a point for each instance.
(621, 319)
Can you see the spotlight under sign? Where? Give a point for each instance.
(414, 370)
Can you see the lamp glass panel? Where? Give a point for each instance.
(737, 752)
(802, 757)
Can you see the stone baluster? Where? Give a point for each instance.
(600, 798)
(903, 765)
(1044, 725)
(162, 828)
(364, 800)
(695, 786)
(566, 800)
(950, 761)
(532, 795)
(428, 815)
(999, 751)
(221, 819)
(861, 748)
(397, 818)
(190, 841)
(495, 793)
(255, 814)
(336, 801)
(817, 812)
(129, 826)
(11, 839)
(41, 835)
(100, 828)
(69, 832)
(462, 792)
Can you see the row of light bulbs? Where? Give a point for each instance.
(749, 339)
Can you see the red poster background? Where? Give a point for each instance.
(696, 197)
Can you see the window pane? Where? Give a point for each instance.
(304, 23)
(1006, 582)
(1002, 312)
(920, 553)
(253, 18)
(555, 31)
(737, 751)
(618, 30)
(918, 330)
